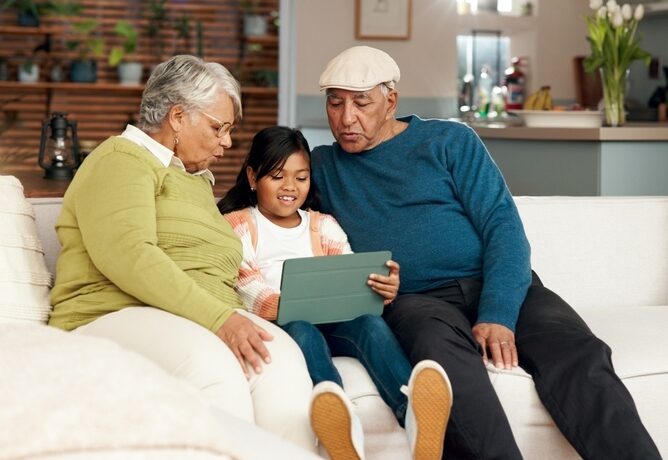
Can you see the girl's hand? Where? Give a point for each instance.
(386, 286)
(246, 340)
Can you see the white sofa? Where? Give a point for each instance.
(608, 257)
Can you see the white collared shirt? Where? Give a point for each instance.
(162, 153)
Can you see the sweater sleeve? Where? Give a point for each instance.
(332, 237)
(258, 297)
(490, 207)
(116, 215)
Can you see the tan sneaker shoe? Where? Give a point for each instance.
(429, 401)
(335, 424)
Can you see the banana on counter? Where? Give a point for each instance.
(540, 100)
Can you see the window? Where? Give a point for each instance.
(504, 7)
(482, 56)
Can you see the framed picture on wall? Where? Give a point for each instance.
(383, 19)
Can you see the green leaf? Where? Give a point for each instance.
(116, 56)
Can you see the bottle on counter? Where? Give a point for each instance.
(484, 91)
(514, 84)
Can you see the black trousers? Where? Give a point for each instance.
(571, 369)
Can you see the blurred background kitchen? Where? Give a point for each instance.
(456, 58)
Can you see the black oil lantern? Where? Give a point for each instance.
(58, 150)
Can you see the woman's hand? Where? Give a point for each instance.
(386, 286)
(246, 340)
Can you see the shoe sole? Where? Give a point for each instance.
(431, 401)
(331, 423)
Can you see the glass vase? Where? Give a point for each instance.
(614, 91)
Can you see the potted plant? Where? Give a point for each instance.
(28, 70)
(255, 23)
(129, 71)
(28, 11)
(88, 46)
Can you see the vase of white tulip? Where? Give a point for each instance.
(614, 46)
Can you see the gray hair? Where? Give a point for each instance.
(188, 81)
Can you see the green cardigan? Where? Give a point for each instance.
(134, 232)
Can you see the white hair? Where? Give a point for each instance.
(188, 81)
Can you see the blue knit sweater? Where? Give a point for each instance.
(434, 197)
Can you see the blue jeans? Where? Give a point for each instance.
(368, 339)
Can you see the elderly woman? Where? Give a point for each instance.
(147, 260)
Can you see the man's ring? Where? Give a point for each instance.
(503, 343)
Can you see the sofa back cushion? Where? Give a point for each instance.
(593, 251)
(25, 281)
(600, 251)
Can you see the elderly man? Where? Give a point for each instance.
(429, 191)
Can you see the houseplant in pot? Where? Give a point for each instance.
(28, 71)
(129, 70)
(88, 46)
(255, 23)
(28, 11)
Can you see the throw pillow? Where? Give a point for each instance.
(25, 282)
(70, 396)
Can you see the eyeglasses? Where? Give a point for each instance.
(224, 128)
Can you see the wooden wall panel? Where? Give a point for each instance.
(104, 108)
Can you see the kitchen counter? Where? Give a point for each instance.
(629, 160)
(641, 132)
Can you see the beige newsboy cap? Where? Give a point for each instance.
(360, 68)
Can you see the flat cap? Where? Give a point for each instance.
(360, 68)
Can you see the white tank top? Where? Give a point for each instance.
(276, 244)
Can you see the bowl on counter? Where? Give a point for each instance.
(561, 118)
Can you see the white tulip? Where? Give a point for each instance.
(602, 13)
(612, 6)
(639, 13)
(617, 19)
(627, 12)
(595, 4)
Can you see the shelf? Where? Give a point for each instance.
(71, 86)
(111, 86)
(42, 30)
(259, 91)
(262, 39)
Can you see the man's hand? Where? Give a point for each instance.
(497, 342)
(246, 340)
(386, 286)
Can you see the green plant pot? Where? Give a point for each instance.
(83, 71)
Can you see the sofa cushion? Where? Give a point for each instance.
(73, 396)
(599, 251)
(24, 279)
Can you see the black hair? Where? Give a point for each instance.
(269, 151)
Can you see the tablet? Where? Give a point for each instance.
(329, 289)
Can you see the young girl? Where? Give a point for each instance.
(271, 210)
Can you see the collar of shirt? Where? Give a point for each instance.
(162, 153)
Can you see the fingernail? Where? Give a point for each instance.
(267, 360)
(258, 370)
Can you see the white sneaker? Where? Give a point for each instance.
(429, 401)
(337, 427)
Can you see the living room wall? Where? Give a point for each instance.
(550, 39)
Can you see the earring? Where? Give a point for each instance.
(252, 189)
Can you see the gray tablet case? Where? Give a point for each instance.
(330, 289)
